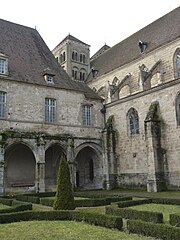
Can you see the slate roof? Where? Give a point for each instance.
(156, 34)
(29, 58)
(100, 51)
(70, 37)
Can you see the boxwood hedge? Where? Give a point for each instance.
(96, 219)
(160, 231)
(135, 214)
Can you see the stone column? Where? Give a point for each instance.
(40, 166)
(2, 190)
(109, 160)
(155, 178)
(70, 159)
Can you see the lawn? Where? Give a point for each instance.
(163, 208)
(64, 230)
(3, 206)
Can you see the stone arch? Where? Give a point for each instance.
(52, 159)
(124, 91)
(88, 166)
(20, 167)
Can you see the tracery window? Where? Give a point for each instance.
(133, 121)
(178, 109)
(177, 63)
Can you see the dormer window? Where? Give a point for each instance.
(3, 64)
(49, 78)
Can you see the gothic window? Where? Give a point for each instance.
(2, 104)
(177, 63)
(87, 115)
(133, 121)
(50, 110)
(91, 169)
(76, 56)
(178, 109)
(81, 57)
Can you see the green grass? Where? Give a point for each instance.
(3, 206)
(100, 209)
(64, 230)
(163, 208)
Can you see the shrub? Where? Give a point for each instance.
(133, 203)
(48, 201)
(6, 201)
(169, 201)
(92, 202)
(160, 231)
(64, 198)
(96, 219)
(135, 214)
(175, 220)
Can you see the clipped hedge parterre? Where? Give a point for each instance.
(174, 220)
(160, 231)
(135, 214)
(96, 219)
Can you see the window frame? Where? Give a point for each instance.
(87, 115)
(50, 110)
(3, 104)
(133, 122)
(3, 65)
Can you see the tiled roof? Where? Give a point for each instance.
(29, 58)
(156, 34)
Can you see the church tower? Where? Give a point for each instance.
(74, 56)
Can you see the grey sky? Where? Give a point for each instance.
(94, 22)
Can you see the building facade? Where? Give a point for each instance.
(44, 115)
(74, 56)
(139, 80)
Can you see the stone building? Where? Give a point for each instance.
(74, 56)
(115, 116)
(44, 114)
(139, 80)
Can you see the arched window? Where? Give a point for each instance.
(81, 57)
(84, 58)
(91, 170)
(177, 63)
(73, 55)
(133, 121)
(61, 58)
(76, 56)
(178, 109)
(64, 56)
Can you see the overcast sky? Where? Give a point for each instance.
(94, 22)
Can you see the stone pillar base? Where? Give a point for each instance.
(156, 186)
(110, 181)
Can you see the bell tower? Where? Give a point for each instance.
(74, 56)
